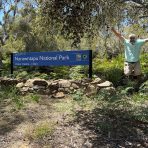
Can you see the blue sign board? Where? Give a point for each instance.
(58, 58)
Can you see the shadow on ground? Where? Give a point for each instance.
(10, 117)
(113, 128)
(9, 123)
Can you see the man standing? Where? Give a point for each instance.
(132, 54)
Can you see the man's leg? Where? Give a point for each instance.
(128, 69)
(137, 76)
(137, 71)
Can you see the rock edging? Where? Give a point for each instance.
(59, 88)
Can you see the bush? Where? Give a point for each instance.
(78, 72)
(111, 70)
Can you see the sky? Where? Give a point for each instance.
(1, 15)
(7, 7)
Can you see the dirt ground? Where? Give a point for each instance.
(68, 126)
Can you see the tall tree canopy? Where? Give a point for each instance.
(76, 17)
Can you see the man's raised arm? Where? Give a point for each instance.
(118, 34)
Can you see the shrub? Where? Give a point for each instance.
(112, 70)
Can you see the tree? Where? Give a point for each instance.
(78, 17)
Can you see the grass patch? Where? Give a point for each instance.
(64, 106)
(40, 130)
(32, 97)
(13, 97)
(11, 93)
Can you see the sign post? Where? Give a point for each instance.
(57, 58)
(11, 68)
(90, 63)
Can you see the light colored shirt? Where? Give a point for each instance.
(132, 51)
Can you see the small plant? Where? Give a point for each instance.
(22, 74)
(40, 130)
(59, 72)
(77, 72)
(12, 94)
(111, 70)
(35, 97)
(78, 96)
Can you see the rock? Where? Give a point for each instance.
(91, 90)
(76, 83)
(37, 87)
(20, 85)
(96, 81)
(29, 83)
(64, 83)
(112, 89)
(53, 86)
(75, 86)
(54, 91)
(59, 95)
(8, 81)
(36, 82)
(105, 84)
(61, 89)
(86, 80)
(24, 89)
(71, 88)
(85, 84)
(109, 90)
(67, 90)
(40, 82)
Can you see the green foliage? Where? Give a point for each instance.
(11, 93)
(60, 72)
(78, 95)
(129, 107)
(112, 70)
(144, 61)
(22, 74)
(35, 97)
(13, 45)
(139, 97)
(43, 76)
(40, 130)
(78, 72)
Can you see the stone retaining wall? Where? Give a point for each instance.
(59, 88)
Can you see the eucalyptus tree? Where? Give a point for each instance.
(8, 10)
(77, 17)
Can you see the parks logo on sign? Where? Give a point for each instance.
(80, 57)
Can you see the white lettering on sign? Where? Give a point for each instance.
(33, 59)
(47, 58)
(43, 58)
(25, 59)
(63, 58)
(18, 59)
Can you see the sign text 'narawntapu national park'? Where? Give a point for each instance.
(56, 58)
